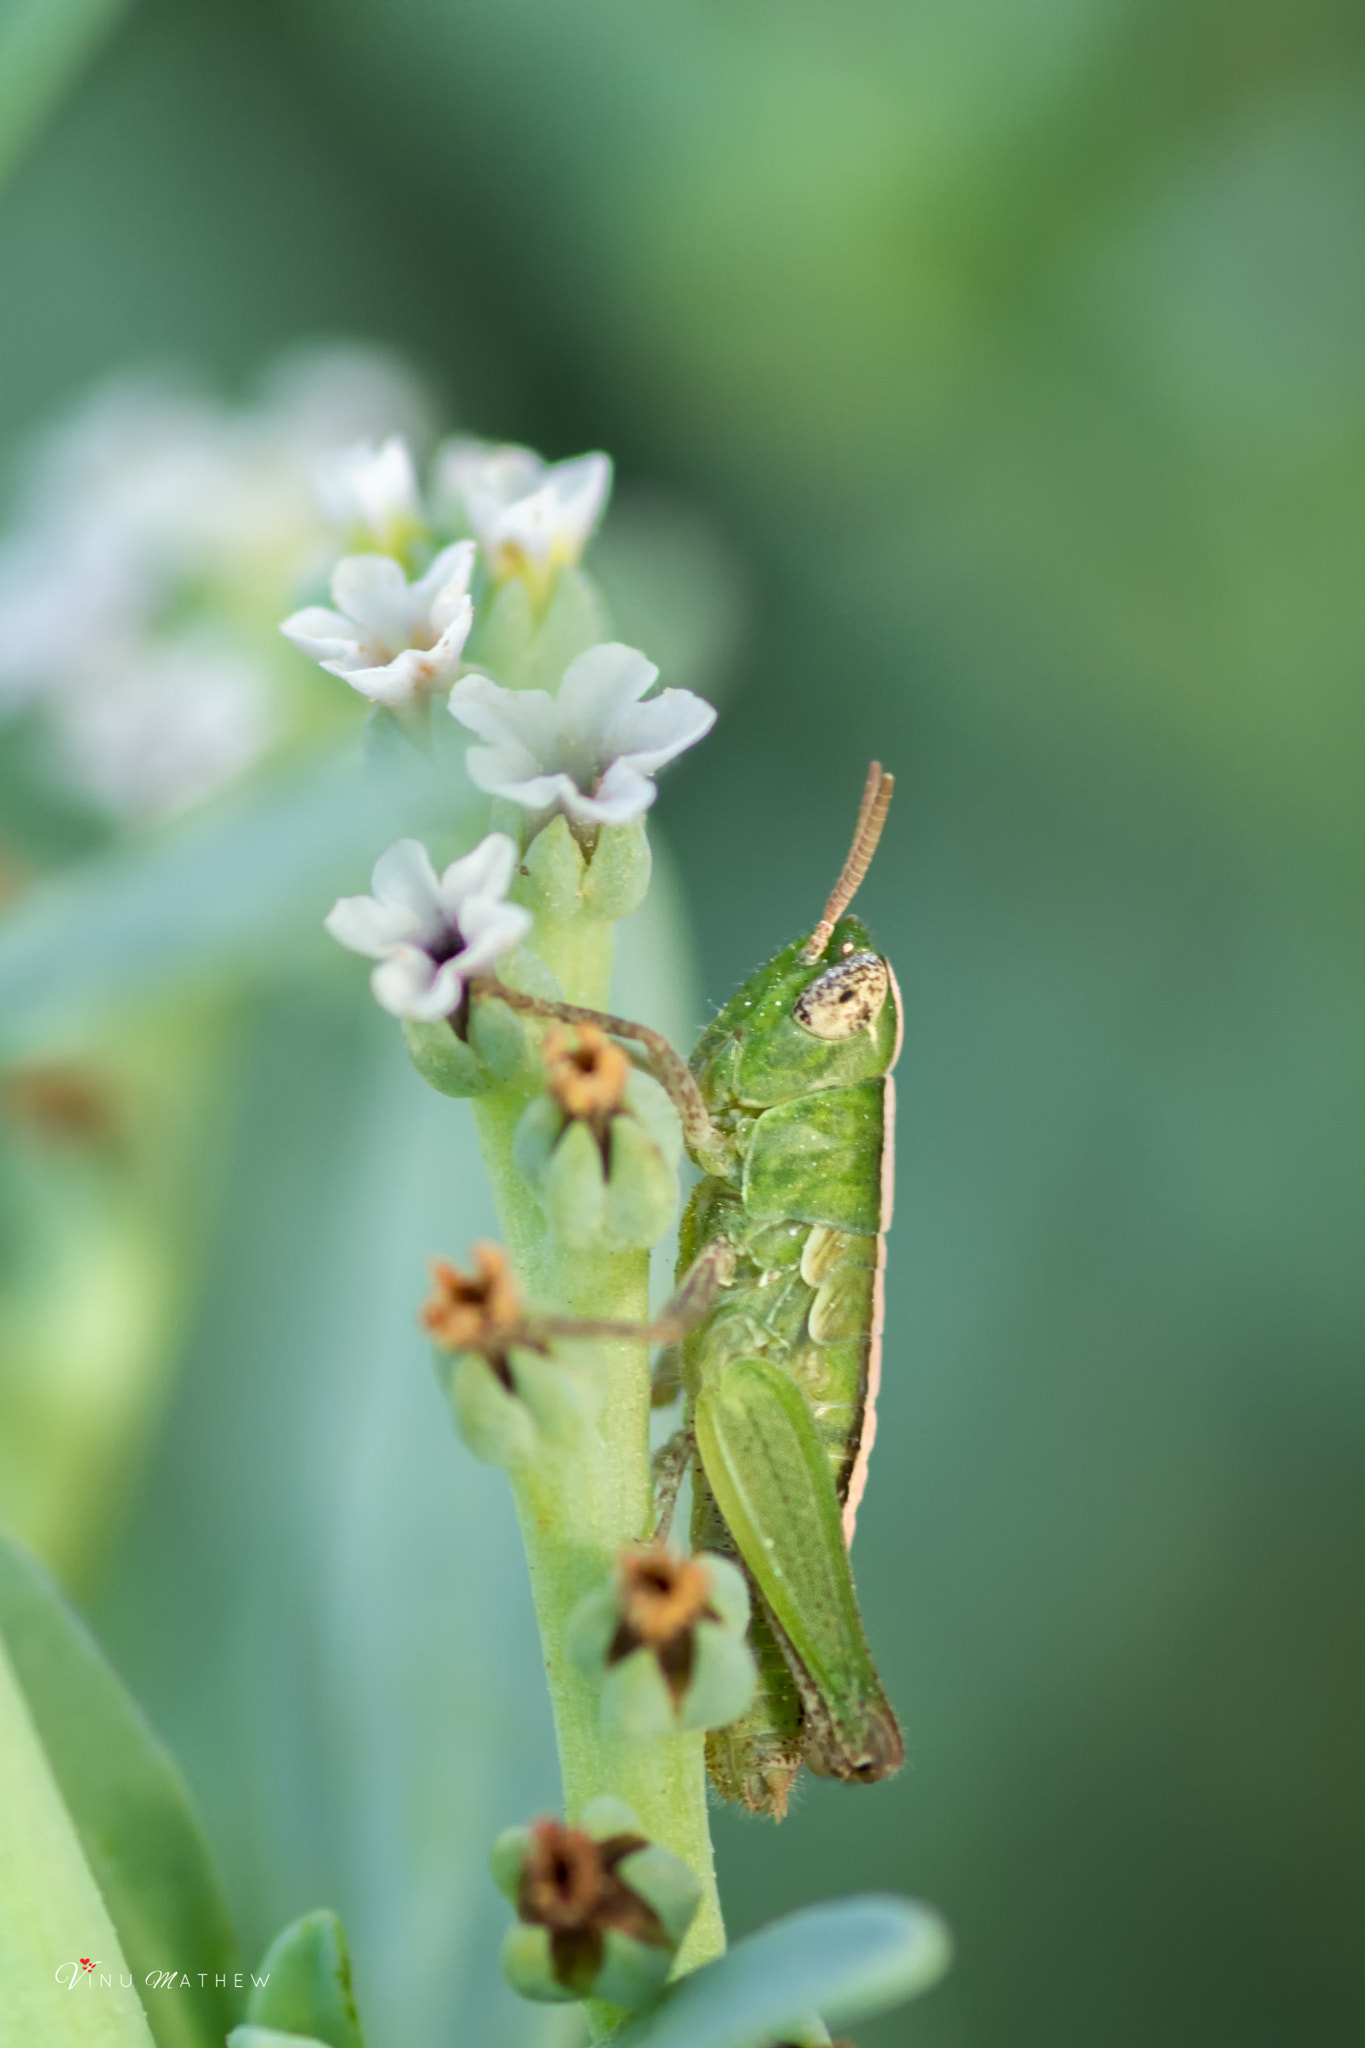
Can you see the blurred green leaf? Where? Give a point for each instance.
(43, 46)
(843, 1960)
(307, 1988)
(128, 1807)
(270, 2037)
(50, 1907)
(216, 895)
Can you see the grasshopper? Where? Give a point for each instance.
(787, 1107)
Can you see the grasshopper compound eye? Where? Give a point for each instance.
(845, 999)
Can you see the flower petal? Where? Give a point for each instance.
(528, 719)
(319, 632)
(409, 984)
(482, 470)
(654, 732)
(488, 771)
(398, 681)
(581, 489)
(490, 930)
(622, 795)
(601, 685)
(373, 590)
(373, 490)
(404, 881)
(363, 925)
(447, 580)
(486, 872)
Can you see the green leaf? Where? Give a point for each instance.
(128, 1808)
(843, 1960)
(307, 1988)
(44, 44)
(239, 886)
(51, 1913)
(270, 2037)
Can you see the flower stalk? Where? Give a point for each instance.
(581, 1148)
(579, 1508)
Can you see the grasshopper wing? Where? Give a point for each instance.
(770, 1476)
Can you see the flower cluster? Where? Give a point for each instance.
(155, 538)
(403, 615)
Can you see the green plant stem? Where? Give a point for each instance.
(579, 1508)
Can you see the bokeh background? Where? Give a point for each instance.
(987, 385)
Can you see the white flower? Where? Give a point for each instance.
(592, 750)
(431, 934)
(155, 539)
(389, 638)
(531, 517)
(153, 730)
(370, 493)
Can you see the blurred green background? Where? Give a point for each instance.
(1010, 360)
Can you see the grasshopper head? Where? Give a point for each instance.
(798, 1025)
(825, 1013)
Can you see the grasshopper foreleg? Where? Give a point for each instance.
(705, 1143)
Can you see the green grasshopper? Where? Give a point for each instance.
(787, 1108)
(781, 1374)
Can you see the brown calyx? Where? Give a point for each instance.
(569, 1885)
(478, 1312)
(587, 1074)
(663, 1597)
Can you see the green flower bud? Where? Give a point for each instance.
(307, 1989)
(666, 1639)
(552, 871)
(486, 1046)
(271, 2037)
(617, 878)
(446, 1061)
(601, 1147)
(601, 1911)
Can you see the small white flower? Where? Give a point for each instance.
(531, 517)
(152, 730)
(370, 494)
(432, 934)
(591, 751)
(388, 638)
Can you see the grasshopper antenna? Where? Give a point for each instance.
(877, 791)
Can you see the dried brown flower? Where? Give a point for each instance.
(569, 1885)
(586, 1073)
(477, 1312)
(663, 1597)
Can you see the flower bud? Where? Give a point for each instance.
(666, 1641)
(493, 1053)
(552, 871)
(601, 1146)
(304, 1988)
(617, 877)
(600, 1910)
(510, 1398)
